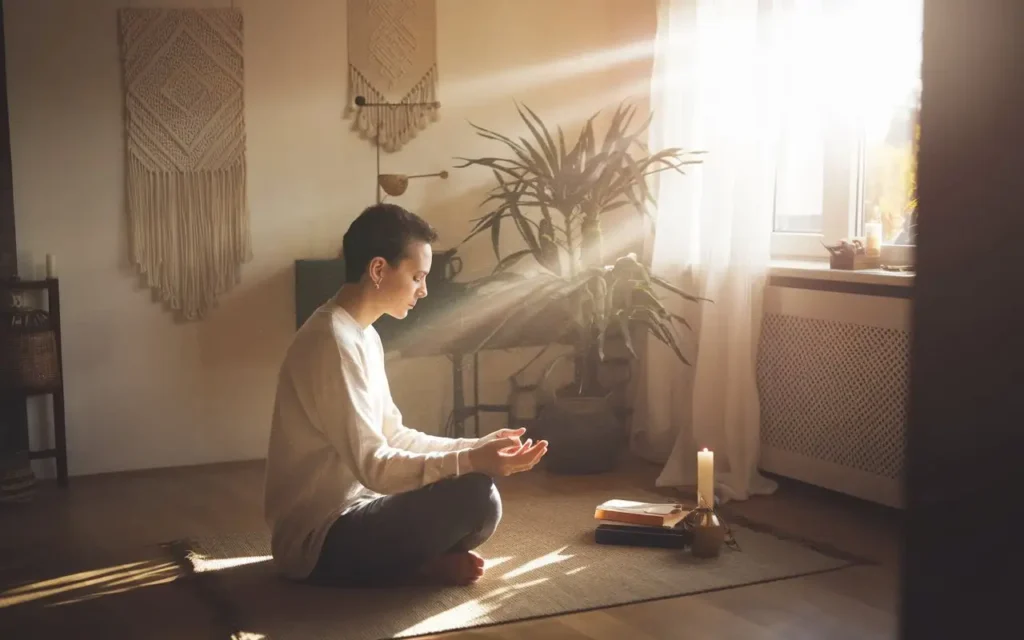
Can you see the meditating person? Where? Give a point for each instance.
(353, 496)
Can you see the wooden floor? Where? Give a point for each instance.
(83, 563)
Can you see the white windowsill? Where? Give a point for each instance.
(819, 270)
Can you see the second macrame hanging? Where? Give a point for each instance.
(186, 166)
(392, 57)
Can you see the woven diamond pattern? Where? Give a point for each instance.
(835, 392)
(184, 73)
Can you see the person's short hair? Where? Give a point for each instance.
(385, 231)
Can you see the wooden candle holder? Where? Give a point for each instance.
(707, 541)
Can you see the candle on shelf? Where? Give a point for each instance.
(873, 233)
(706, 477)
(873, 239)
(51, 265)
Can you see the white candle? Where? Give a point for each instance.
(873, 238)
(706, 477)
(51, 265)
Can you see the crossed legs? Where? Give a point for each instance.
(428, 533)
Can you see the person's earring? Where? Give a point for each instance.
(376, 284)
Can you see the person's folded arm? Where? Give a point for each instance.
(344, 402)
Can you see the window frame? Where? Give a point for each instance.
(842, 207)
(841, 195)
(842, 204)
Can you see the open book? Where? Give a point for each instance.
(653, 514)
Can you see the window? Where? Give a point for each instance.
(848, 77)
(889, 185)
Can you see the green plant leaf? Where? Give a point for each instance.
(563, 156)
(577, 157)
(659, 330)
(549, 247)
(485, 222)
(622, 318)
(644, 296)
(509, 142)
(496, 237)
(511, 259)
(614, 133)
(601, 304)
(546, 142)
(681, 320)
(618, 204)
(617, 293)
(497, 164)
(510, 278)
(540, 165)
(525, 230)
(584, 308)
(661, 282)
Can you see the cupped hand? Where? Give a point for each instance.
(504, 433)
(506, 456)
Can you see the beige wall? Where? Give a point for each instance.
(143, 391)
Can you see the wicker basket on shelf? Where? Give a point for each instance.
(28, 350)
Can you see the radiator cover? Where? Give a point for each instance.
(834, 398)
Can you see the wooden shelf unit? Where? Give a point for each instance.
(51, 287)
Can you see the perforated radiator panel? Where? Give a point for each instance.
(835, 392)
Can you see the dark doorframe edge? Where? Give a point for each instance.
(13, 411)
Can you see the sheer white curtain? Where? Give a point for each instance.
(774, 91)
(715, 88)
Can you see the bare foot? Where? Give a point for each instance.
(460, 568)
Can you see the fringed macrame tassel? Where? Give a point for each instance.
(398, 124)
(189, 233)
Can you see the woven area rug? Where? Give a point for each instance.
(543, 561)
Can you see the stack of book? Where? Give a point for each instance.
(641, 524)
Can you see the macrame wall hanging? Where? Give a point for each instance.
(186, 169)
(392, 58)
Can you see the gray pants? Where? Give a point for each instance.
(388, 539)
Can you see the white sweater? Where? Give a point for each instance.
(337, 438)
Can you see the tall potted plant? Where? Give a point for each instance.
(555, 196)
